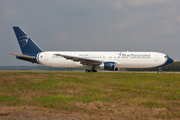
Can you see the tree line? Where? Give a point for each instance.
(172, 67)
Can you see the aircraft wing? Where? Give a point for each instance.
(83, 61)
(20, 55)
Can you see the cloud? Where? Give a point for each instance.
(178, 18)
(144, 2)
(10, 11)
(56, 42)
(62, 37)
(117, 5)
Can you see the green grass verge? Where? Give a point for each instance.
(63, 90)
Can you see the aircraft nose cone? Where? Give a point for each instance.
(169, 61)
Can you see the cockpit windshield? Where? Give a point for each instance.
(166, 56)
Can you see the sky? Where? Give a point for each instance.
(91, 25)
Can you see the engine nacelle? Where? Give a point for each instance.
(109, 66)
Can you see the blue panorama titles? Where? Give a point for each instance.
(124, 55)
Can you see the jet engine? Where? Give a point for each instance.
(109, 66)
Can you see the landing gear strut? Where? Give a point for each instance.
(91, 70)
(160, 70)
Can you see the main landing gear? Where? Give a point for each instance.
(91, 70)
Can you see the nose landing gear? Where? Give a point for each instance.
(160, 70)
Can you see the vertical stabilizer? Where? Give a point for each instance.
(27, 45)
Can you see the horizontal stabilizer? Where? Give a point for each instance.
(20, 55)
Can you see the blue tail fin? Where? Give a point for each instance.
(27, 45)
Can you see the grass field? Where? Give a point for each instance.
(79, 95)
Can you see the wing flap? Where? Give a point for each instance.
(20, 55)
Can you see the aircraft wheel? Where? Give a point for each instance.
(93, 70)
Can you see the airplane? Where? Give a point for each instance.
(106, 60)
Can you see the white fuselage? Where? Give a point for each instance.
(122, 59)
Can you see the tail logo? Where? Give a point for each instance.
(23, 40)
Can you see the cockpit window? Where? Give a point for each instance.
(166, 56)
